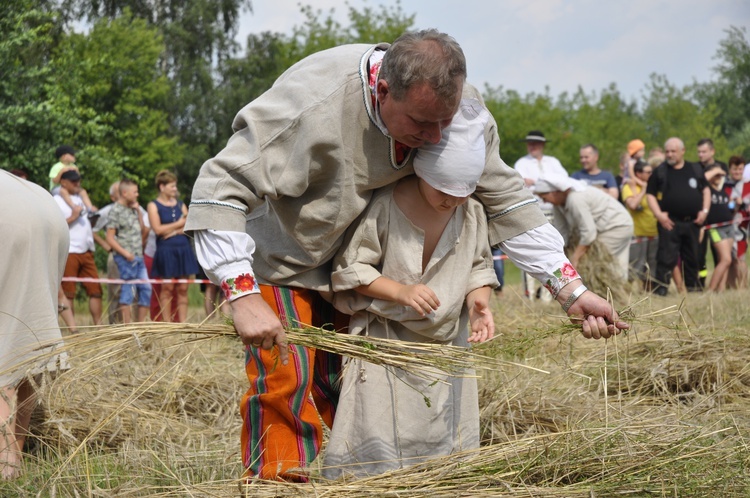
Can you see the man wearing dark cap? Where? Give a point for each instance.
(532, 166)
(66, 158)
(81, 252)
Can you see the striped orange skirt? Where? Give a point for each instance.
(282, 410)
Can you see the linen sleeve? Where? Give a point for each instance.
(511, 208)
(359, 260)
(482, 270)
(539, 252)
(287, 143)
(227, 259)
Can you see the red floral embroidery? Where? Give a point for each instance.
(226, 290)
(562, 277)
(246, 282)
(237, 286)
(568, 271)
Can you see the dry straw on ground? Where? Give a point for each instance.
(663, 410)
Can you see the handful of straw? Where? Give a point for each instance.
(425, 360)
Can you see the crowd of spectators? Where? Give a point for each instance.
(142, 246)
(678, 210)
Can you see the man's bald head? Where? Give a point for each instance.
(674, 150)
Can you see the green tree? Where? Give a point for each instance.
(730, 93)
(605, 120)
(111, 81)
(198, 36)
(669, 111)
(29, 119)
(516, 115)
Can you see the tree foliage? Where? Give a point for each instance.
(113, 82)
(730, 93)
(674, 112)
(568, 122)
(198, 39)
(156, 84)
(27, 139)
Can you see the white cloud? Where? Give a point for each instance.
(529, 44)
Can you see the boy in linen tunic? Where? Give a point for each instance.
(388, 418)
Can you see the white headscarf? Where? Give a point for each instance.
(454, 165)
(558, 183)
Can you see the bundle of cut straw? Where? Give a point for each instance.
(421, 359)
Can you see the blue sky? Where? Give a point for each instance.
(527, 45)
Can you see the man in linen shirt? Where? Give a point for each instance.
(301, 166)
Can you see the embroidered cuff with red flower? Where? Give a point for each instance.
(239, 286)
(562, 277)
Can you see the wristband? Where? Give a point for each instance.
(574, 297)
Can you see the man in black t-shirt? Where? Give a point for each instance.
(679, 197)
(706, 153)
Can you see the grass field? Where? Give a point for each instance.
(662, 410)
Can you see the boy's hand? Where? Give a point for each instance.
(481, 321)
(130, 256)
(420, 297)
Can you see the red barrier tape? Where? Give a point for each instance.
(143, 281)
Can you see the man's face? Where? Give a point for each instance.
(73, 187)
(588, 158)
(674, 152)
(735, 172)
(535, 149)
(419, 118)
(706, 154)
(130, 194)
(555, 198)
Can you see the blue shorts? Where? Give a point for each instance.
(133, 270)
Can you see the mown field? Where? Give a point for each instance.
(662, 410)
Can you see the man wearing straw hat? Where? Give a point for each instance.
(273, 206)
(532, 166)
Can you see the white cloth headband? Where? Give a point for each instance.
(454, 165)
(558, 183)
